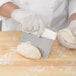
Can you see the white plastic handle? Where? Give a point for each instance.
(49, 34)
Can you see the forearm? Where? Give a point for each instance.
(7, 9)
(72, 10)
(72, 17)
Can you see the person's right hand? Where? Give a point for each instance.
(30, 21)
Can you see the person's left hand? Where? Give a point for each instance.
(67, 37)
(72, 27)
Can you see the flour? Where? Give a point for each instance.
(7, 58)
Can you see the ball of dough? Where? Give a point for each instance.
(28, 50)
(67, 39)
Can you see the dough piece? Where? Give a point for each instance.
(29, 51)
(67, 39)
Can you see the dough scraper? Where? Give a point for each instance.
(44, 43)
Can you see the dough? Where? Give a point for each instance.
(67, 39)
(28, 50)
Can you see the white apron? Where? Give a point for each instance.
(54, 13)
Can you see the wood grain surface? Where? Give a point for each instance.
(61, 61)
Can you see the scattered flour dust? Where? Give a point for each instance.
(6, 59)
(39, 70)
(62, 52)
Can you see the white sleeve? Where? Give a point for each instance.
(72, 7)
(4, 1)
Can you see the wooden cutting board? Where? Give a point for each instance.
(61, 61)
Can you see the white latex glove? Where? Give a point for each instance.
(67, 37)
(30, 21)
(72, 27)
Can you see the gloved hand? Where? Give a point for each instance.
(67, 37)
(30, 21)
(72, 27)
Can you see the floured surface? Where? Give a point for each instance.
(38, 71)
(60, 62)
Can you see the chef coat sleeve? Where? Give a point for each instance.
(4, 1)
(72, 7)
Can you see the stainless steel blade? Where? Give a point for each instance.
(43, 44)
